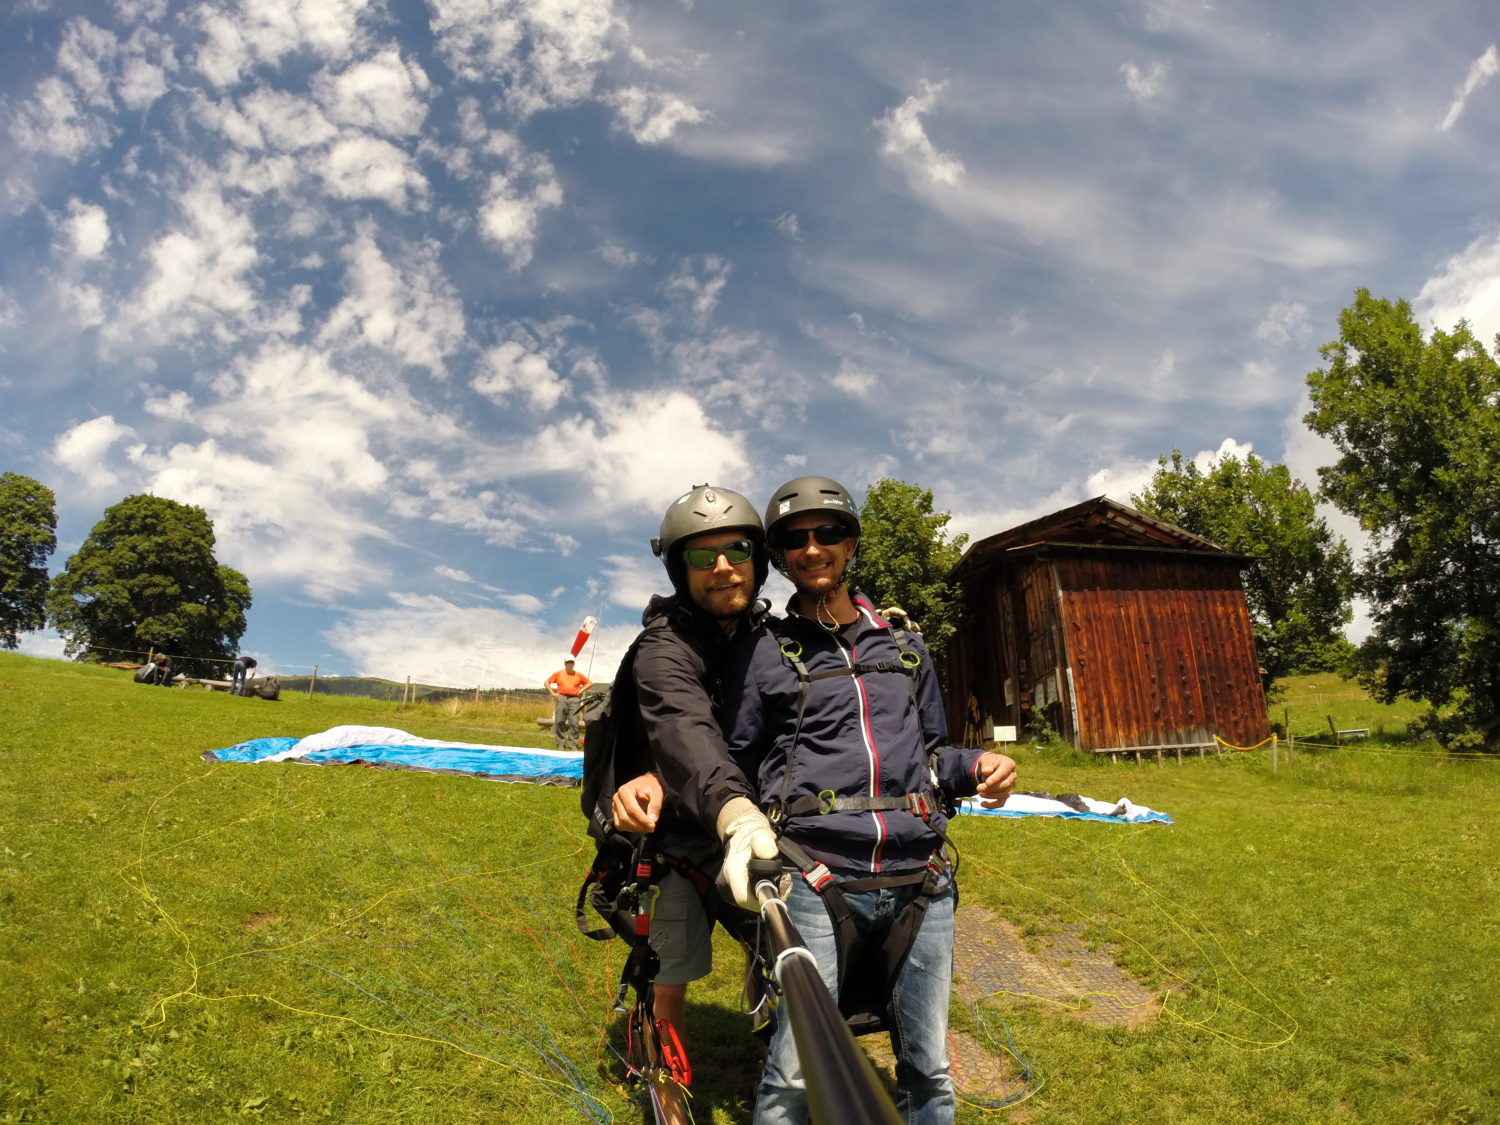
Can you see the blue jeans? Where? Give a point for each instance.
(918, 1016)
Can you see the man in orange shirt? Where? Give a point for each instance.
(566, 687)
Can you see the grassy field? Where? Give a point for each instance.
(187, 941)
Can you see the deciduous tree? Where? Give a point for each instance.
(1417, 425)
(1300, 582)
(28, 534)
(146, 578)
(905, 556)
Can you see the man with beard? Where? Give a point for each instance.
(714, 550)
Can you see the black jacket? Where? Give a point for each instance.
(679, 681)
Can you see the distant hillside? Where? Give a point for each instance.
(372, 687)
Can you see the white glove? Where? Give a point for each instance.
(747, 835)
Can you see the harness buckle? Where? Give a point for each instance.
(818, 876)
(917, 803)
(827, 802)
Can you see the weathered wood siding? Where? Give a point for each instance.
(1158, 645)
(1161, 650)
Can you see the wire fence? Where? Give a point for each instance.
(306, 677)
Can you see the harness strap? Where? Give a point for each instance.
(867, 967)
(918, 804)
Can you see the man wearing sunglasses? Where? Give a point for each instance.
(838, 724)
(714, 550)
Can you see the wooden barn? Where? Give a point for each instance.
(1124, 633)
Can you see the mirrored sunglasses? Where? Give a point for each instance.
(706, 558)
(827, 535)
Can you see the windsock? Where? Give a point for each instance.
(583, 634)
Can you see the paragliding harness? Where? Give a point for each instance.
(869, 961)
(624, 880)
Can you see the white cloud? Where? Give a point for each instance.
(856, 381)
(176, 406)
(453, 574)
(620, 257)
(310, 420)
(141, 83)
(197, 272)
(788, 225)
(85, 447)
(434, 641)
(652, 116)
(383, 94)
(905, 138)
(53, 121)
(632, 579)
(524, 603)
(361, 166)
(86, 228)
(508, 217)
(1484, 68)
(541, 55)
(282, 120)
(85, 302)
(1144, 85)
(511, 368)
(697, 284)
(1120, 481)
(278, 519)
(248, 32)
(406, 307)
(1285, 322)
(45, 644)
(1467, 288)
(648, 448)
(86, 54)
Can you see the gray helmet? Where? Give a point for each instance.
(809, 494)
(708, 508)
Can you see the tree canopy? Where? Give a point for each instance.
(146, 578)
(905, 556)
(1417, 426)
(28, 534)
(1300, 583)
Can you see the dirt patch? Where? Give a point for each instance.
(992, 958)
(261, 919)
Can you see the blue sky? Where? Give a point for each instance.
(435, 306)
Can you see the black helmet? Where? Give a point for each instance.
(708, 508)
(808, 494)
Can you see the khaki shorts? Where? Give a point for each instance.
(681, 932)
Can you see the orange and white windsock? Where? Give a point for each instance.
(583, 634)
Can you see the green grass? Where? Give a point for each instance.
(186, 941)
(1310, 702)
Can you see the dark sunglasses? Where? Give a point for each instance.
(827, 535)
(706, 558)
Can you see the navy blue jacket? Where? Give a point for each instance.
(861, 736)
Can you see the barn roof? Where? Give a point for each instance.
(1097, 523)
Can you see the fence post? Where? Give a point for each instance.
(313, 683)
(1273, 753)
